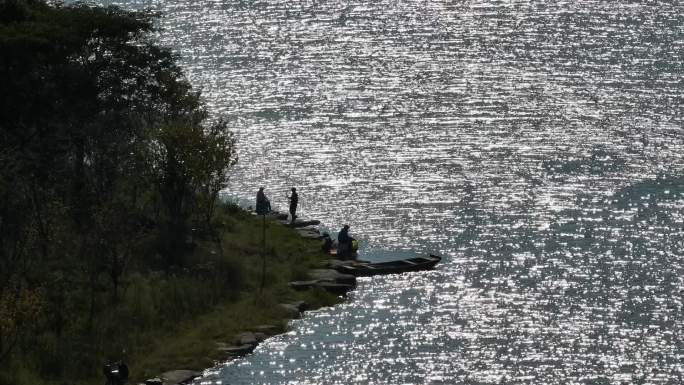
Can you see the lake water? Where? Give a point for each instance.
(537, 145)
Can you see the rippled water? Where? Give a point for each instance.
(537, 145)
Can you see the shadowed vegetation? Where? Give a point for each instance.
(112, 236)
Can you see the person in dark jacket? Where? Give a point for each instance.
(326, 243)
(344, 243)
(294, 200)
(263, 205)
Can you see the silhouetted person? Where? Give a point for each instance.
(326, 244)
(294, 199)
(263, 205)
(344, 243)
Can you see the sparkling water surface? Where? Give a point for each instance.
(536, 145)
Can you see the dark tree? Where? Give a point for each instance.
(103, 146)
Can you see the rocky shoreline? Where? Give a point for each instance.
(326, 278)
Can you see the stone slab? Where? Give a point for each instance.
(246, 338)
(240, 350)
(332, 276)
(176, 377)
(267, 329)
(290, 310)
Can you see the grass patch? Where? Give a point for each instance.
(168, 320)
(191, 344)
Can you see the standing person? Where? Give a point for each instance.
(263, 205)
(294, 199)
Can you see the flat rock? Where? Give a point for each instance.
(278, 216)
(344, 266)
(335, 263)
(175, 377)
(302, 306)
(260, 337)
(290, 310)
(332, 287)
(300, 223)
(303, 285)
(309, 234)
(305, 223)
(240, 350)
(312, 229)
(331, 275)
(267, 329)
(246, 338)
(335, 288)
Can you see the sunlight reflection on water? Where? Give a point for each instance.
(537, 145)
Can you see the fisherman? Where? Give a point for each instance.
(263, 205)
(294, 199)
(344, 243)
(326, 243)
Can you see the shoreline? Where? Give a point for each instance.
(320, 279)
